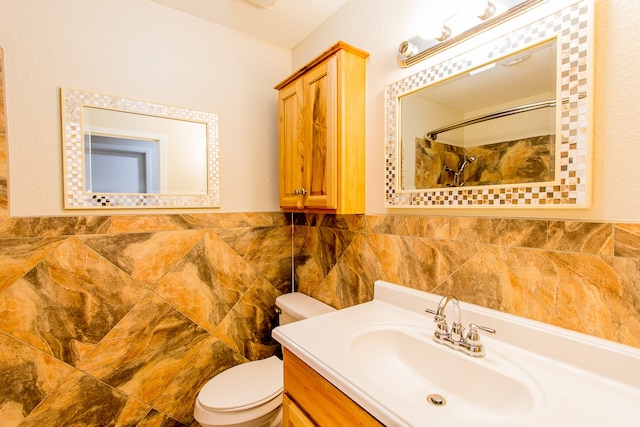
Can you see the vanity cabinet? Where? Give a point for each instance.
(321, 133)
(311, 400)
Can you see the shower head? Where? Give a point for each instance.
(464, 164)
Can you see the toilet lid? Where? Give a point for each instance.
(244, 386)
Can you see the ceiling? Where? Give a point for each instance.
(286, 24)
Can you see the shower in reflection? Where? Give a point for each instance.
(457, 182)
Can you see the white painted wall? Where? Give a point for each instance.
(140, 50)
(378, 26)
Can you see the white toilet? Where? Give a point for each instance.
(250, 394)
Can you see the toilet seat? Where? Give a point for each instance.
(244, 386)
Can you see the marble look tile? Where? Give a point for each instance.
(154, 223)
(247, 327)
(17, 256)
(415, 226)
(211, 358)
(68, 302)
(512, 281)
(146, 350)
(325, 245)
(93, 225)
(38, 227)
(417, 262)
(577, 236)
(144, 256)
(585, 293)
(267, 249)
(351, 281)
(512, 232)
(27, 376)
(627, 240)
(207, 282)
(342, 222)
(84, 401)
(158, 419)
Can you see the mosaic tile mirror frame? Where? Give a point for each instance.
(76, 194)
(572, 27)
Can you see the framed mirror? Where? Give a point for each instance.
(504, 124)
(124, 153)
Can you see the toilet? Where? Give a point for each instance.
(250, 394)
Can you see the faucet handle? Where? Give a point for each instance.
(473, 336)
(436, 317)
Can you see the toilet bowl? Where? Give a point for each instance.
(250, 394)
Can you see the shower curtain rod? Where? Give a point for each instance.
(433, 135)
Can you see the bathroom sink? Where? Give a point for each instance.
(407, 362)
(382, 355)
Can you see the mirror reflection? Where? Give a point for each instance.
(136, 153)
(495, 124)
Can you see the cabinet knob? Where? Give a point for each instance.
(299, 192)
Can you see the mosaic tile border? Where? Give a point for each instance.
(573, 30)
(73, 153)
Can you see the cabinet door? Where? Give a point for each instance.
(320, 136)
(290, 142)
(293, 416)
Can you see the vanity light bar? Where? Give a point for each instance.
(410, 52)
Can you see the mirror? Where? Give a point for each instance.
(504, 124)
(495, 124)
(123, 153)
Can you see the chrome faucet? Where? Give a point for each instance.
(455, 337)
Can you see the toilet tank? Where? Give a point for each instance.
(298, 306)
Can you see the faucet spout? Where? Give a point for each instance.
(443, 304)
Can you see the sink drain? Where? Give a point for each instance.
(436, 400)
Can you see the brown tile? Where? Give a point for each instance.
(627, 240)
(207, 282)
(211, 357)
(146, 350)
(38, 227)
(576, 236)
(415, 226)
(247, 327)
(144, 256)
(155, 223)
(93, 225)
(267, 249)
(68, 302)
(498, 231)
(84, 401)
(157, 419)
(27, 376)
(419, 263)
(17, 256)
(351, 281)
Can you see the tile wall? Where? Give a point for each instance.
(583, 276)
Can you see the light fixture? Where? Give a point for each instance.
(471, 17)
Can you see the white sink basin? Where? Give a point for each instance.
(409, 364)
(381, 354)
